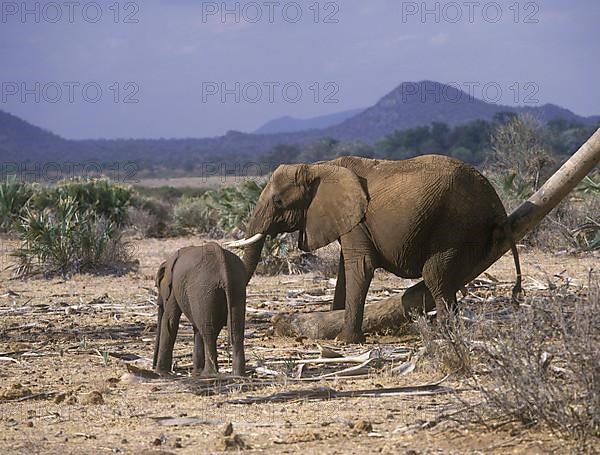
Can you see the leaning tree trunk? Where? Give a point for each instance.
(396, 310)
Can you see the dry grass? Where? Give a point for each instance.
(57, 332)
(536, 365)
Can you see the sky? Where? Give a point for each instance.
(187, 68)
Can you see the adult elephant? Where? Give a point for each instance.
(430, 216)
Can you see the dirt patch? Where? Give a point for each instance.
(65, 387)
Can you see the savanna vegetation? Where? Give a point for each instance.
(80, 224)
(535, 367)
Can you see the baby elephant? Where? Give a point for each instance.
(207, 284)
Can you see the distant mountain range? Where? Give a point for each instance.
(290, 124)
(408, 106)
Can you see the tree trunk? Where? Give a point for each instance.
(396, 310)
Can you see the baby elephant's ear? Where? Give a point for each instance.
(160, 274)
(164, 277)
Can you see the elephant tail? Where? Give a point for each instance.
(503, 232)
(517, 288)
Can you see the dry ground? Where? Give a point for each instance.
(64, 389)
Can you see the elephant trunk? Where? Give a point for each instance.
(251, 257)
(259, 223)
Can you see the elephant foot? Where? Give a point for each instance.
(209, 373)
(351, 337)
(162, 373)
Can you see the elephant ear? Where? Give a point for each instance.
(338, 204)
(164, 277)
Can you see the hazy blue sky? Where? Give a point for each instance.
(354, 52)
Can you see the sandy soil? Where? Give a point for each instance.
(64, 386)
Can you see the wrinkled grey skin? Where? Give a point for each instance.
(207, 284)
(431, 216)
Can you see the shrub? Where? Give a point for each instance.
(538, 364)
(169, 194)
(68, 238)
(99, 195)
(519, 150)
(150, 217)
(196, 215)
(233, 205)
(544, 365)
(14, 197)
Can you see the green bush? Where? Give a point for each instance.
(195, 214)
(14, 196)
(233, 205)
(68, 238)
(168, 193)
(101, 196)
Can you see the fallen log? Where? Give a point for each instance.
(397, 309)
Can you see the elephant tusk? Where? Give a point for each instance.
(245, 242)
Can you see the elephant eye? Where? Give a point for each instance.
(277, 202)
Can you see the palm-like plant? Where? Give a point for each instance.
(66, 239)
(14, 197)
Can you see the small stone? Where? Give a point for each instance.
(14, 391)
(234, 442)
(228, 429)
(94, 397)
(29, 424)
(363, 426)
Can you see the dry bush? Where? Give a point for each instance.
(142, 221)
(571, 226)
(327, 260)
(151, 218)
(448, 346)
(519, 150)
(543, 365)
(538, 364)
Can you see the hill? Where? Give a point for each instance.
(288, 124)
(408, 106)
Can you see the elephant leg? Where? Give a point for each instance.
(236, 335)
(442, 276)
(359, 265)
(339, 298)
(158, 326)
(168, 333)
(198, 358)
(211, 367)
